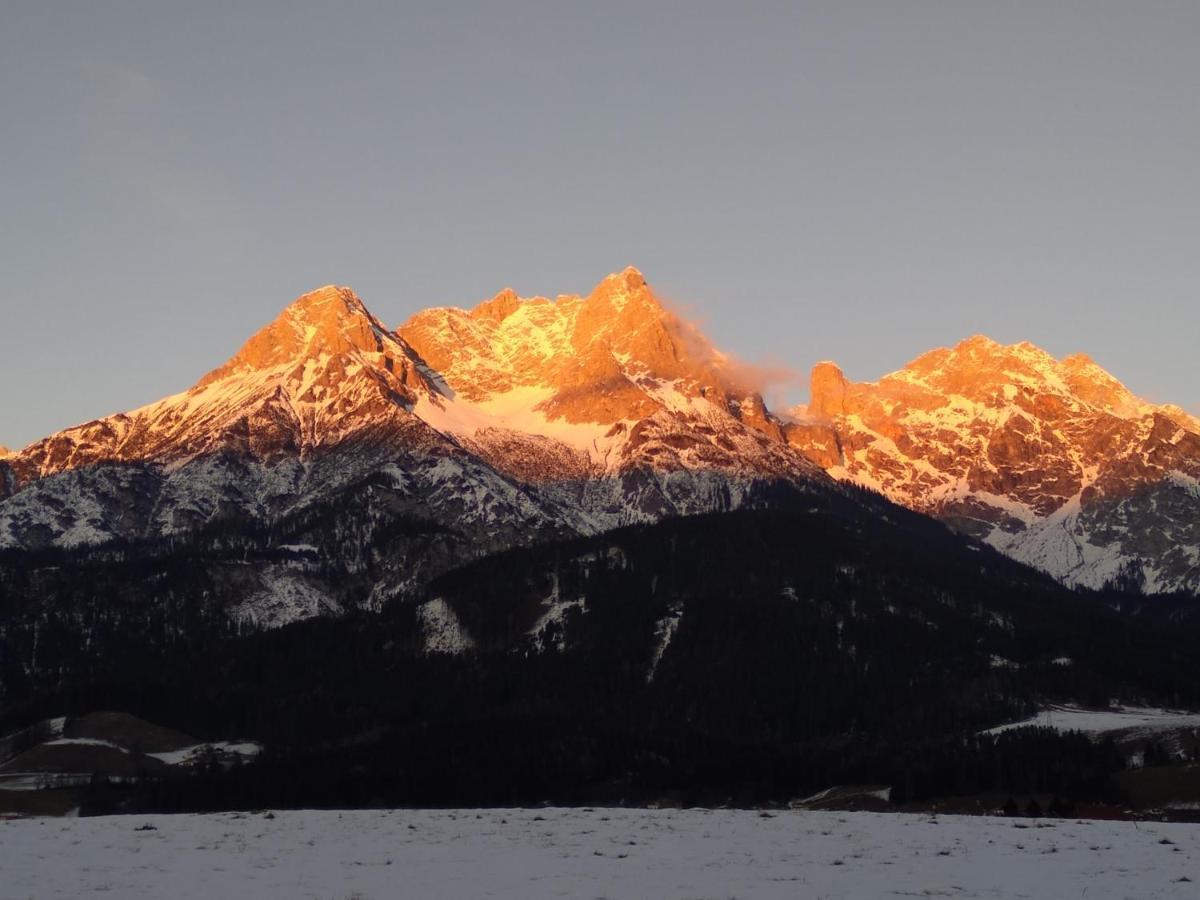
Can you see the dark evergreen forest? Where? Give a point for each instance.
(817, 642)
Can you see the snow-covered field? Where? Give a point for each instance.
(594, 853)
(1145, 720)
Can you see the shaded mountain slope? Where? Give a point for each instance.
(754, 652)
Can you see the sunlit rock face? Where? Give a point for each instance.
(1053, 461)
(323, 371)
(615, 376)
(526, 417)
(513, 421)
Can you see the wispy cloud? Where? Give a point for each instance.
(772, 379)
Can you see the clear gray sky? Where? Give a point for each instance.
(855, 181)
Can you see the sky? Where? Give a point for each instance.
(849, 181)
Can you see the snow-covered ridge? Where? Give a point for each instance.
(580, 372)
(601, 375)
(1052, 461)
(320, 373)
(515, 410)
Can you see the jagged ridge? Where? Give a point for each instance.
(1052, 461)
(580, 413)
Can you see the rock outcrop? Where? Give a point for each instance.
(1053, 461)
(532, 416)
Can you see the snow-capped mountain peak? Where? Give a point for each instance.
(520, 417)
(322, 371)
(1054, 461)
(586, 411)
(329, 321)
(615, 377)
(325, 317)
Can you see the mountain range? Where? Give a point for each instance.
(524, 420)
(562, 550)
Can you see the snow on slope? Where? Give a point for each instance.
(283, 596)
(479, 406)
(324, 370)
(441, 628)
(514, 411)
(613, 853)
(1135, 719)
(545, 409)
(1053, 462)
(186, 756)
(664, 631)
(615, 378)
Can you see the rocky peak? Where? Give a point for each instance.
(324, 371)
(1039, 456)
(984, 371)
(1095, 386)
(981, 380)
(327, 315)
(573, 345)
(827, 390)
(616, 373)
(623, 318)
(329, 321)
(621, 301)
(1051, 460)
(978, 367)
(1180, 417)
(498, 308)
(620, 287)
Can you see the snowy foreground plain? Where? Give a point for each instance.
(594, 853)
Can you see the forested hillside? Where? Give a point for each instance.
(752, 655)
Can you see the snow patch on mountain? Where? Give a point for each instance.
(282, 597)
(1051, 461)
(525, 418)
(516, 410)
(1188, 483)
(664, 630)
(442, 629)
(1136, 720)
(189, 756)
(549, 631)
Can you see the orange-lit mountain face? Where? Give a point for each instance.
(525, 418)
(323, 371)
(592, 385)
(1053, 461)
(617, 380)
(517, 421)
